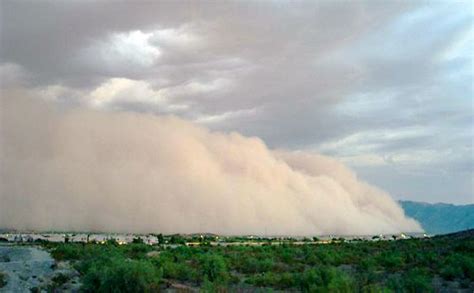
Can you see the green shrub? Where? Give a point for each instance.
(178, 271)
(401, 265)
(340, 283)
(310, 280)
(468, 266)
(177, 239)
(252, 265)
(457, 266)
(67, 251)
(375, 288)
(391, 260)
(214, 268)
(395, 283)
(122, 275)
(451, 272)
(60, 279)
(417, 280)
(324, 279)
(3, 279)
(269, 279)
(138, 250)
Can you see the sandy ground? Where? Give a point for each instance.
(26, 267)
(29, 267)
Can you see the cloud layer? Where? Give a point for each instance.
(80, 169)
(385, 87)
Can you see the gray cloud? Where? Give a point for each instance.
(299, 75)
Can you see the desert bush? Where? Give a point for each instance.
(214, 267)
(391, 260)
(122, 275)
(178, 271)
(68, 251)
(400, 266)
(137, 250)
(375, 288)
(450, 272)
(60, 279)
(417, 280)
(458, 266)
(3, 279)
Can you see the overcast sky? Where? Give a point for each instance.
(385, 86)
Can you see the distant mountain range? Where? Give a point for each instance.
(440, 218)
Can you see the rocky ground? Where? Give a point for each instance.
(30, 269)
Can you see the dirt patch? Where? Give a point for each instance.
(27, 269)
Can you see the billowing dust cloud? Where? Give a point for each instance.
(80, 169)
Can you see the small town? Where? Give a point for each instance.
(191, 239)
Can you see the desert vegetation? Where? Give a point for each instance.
(412, 265)
(3, 280)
